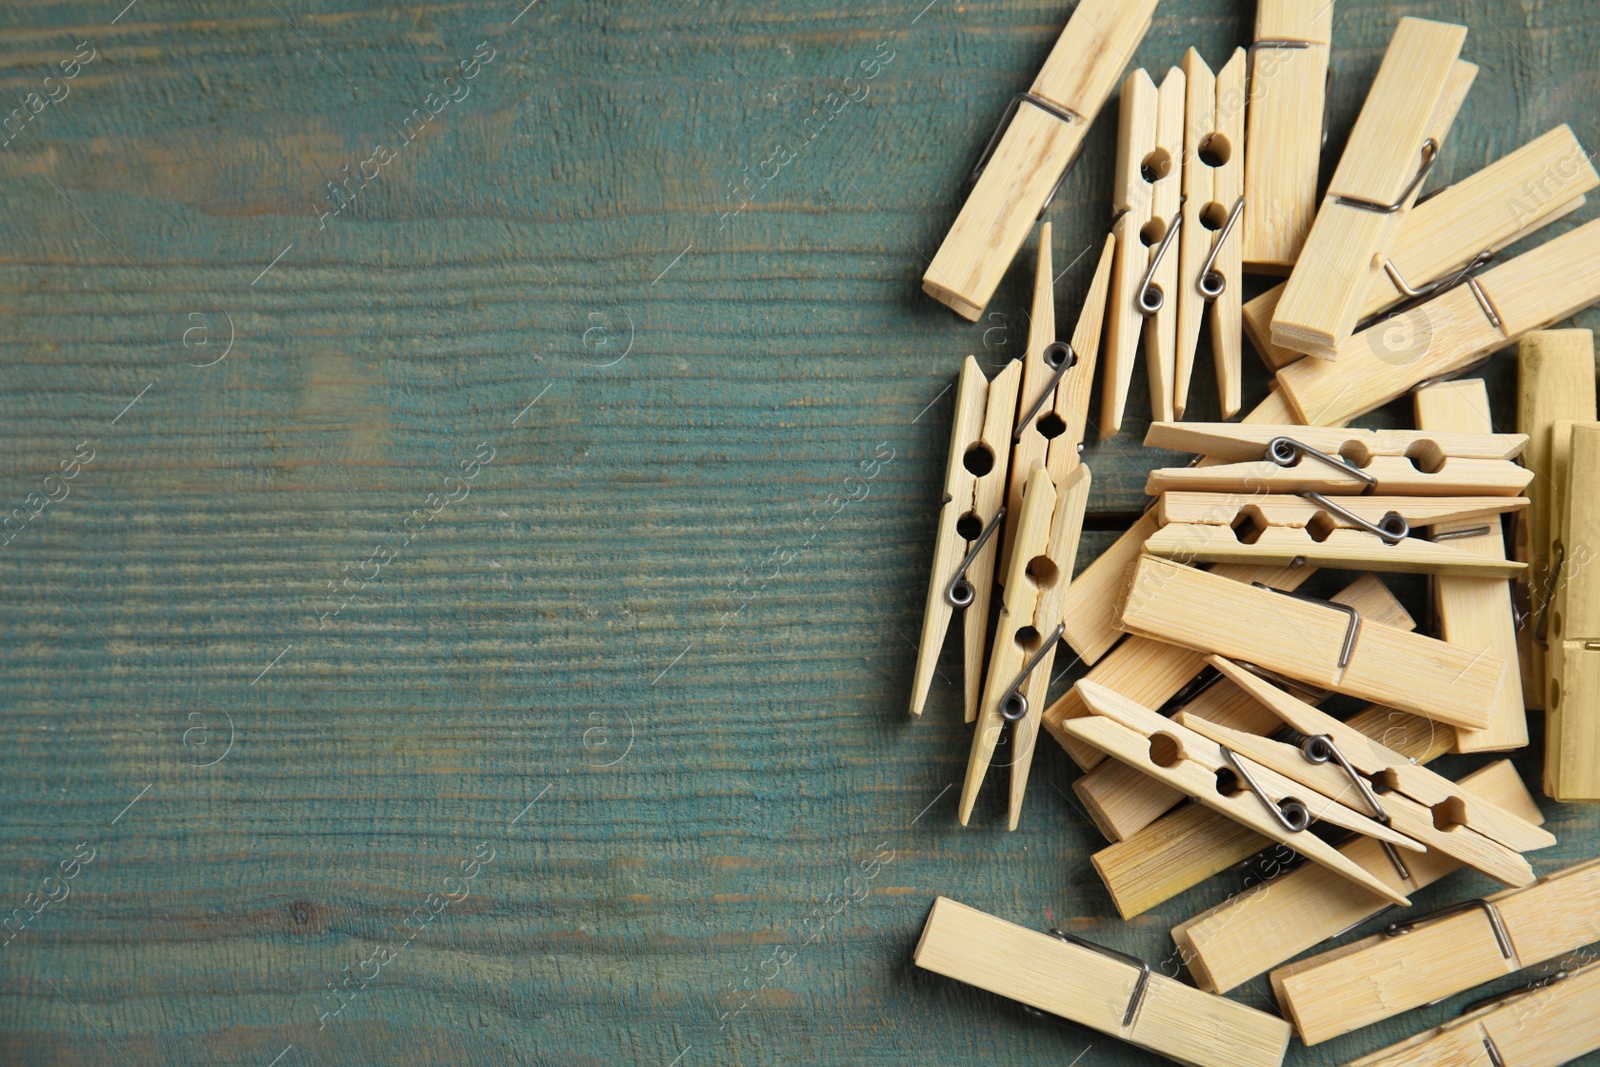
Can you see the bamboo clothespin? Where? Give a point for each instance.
(1549, 1022)
(1388, 157)
(1121, 801)
(1373, 534)
(1056, 382)
(1556, 380)
(1192, 843)
(1097, 987)
(1310, 642)
(1572, 630)
(1426, 958)
(1038, 138)
(1272, 805)
(1253, 931)
(1476, 612)
(1288, 93)
(1444, 798)
(1297, 459)
(1211, 246)
(964, 554)
(1459, 230)
(1025, 638)
(1144, 280)
(1448, 333)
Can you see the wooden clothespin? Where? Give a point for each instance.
(1556, 380)
(1088, 984)
(1253, 931)
(1389, 155)
(1144, 280)
(1288, 127)
(1211, 247)
(1311, 641)
(1448, 333)
(1056, 380)
(1548, 1022)
(1025, 637)
(1370, 534)
(964, 554)
(1121, 801)
(1299, 459)
(1476, 612)
(1425, 958)
(1267, 802)
(1192, 843)
(1459, 230)
(1028, 157)
(1571, 630)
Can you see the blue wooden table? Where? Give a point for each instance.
(457, 642)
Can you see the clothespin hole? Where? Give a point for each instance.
(1214, 216)
(1215, 151)
(1449, 814)
(1321, 527)
(1156, 165)
(1152, 232)
(969, 526)
(1426, 456)
(1228, 783)
(1042, 572)
(1249, 525)
(1356, 453)
(1165, 750)
(1555, 623)
(1028, 639)
(1050, 426)
(979, 460)
(1554, 703)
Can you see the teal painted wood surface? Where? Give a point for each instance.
(506, 511)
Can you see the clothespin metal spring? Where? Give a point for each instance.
(1013, 705)
(1287, 452)
(1393, 527)
(1151, 298)
(1320, 748)
(1137, 997)
(1057, 354)
(1430, 156)
(1291, 814)
(1065, 114)
(959, 593)
(1213, 283)
(1352, 631)
(1502, 938)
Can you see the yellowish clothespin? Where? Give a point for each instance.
(1149, 178)
(1476, 612)
(1549, 1021)
(1324, 764)
(964, 554)
(1025, 637)
(1266, 801)
(1029, 155)
(1423, 959)
(1191, 843)
(1389, 155)
(1088, 984)
(1448, 333)
(1211, 247)
(1325, 645)
(1056, 380)
(1555, 381)
(1459, 230)
(1335, 462)
(1288, 126)
(1351, 533)
(1571, 630)
(1253, 931)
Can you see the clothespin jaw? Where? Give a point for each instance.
(1211, 245)
(1049, 526)
(1448, 333)
(1075, 979)
(1273, 806)
(969, 520)
(1288, 89)
(1028, 158)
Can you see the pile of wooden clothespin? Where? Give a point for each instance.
(1198, 725)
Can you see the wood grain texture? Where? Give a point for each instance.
(671, 502)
